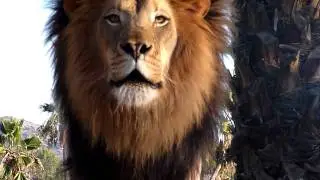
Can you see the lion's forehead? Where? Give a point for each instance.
(136, 6)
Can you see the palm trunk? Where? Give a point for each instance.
(276, 90)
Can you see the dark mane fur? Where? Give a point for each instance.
(87, 161)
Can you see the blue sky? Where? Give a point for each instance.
(25, 67)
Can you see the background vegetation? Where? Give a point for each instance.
(25, 158)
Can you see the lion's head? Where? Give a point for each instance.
(137, 40)
(141, 73)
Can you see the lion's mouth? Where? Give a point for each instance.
(136, 79)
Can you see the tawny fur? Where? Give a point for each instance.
(194, 82)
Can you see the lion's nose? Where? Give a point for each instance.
(135, 49)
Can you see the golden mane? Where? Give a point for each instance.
(195, 83)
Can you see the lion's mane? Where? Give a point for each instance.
(160, 141)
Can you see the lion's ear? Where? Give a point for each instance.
(70, 6)
(201, 7)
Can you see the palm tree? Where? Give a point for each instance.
(276, 90)
(54, 130)
(17, 154)
(51, 129)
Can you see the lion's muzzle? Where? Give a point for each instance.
(136, 66)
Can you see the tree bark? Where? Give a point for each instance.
(276, 90)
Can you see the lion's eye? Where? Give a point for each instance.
(113, 19)
(161, 20)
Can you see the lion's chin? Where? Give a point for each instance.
(135, 96)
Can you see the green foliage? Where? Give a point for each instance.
(47, 107)
(226, 127)
(51, 164)
(48, 130)
(32, 143)
(11, 131)
(20, 176)
(17, 154)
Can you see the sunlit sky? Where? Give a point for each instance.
(25, 66)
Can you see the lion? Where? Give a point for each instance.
(139, 84)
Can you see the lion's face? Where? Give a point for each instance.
(138, 39)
